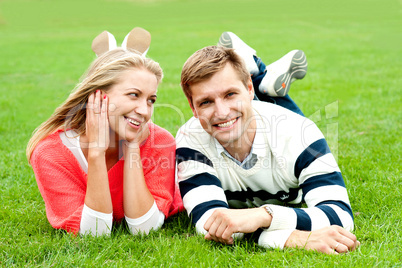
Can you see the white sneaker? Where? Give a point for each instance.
(230, 40)
(281, 73)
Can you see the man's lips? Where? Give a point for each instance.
(227, 124)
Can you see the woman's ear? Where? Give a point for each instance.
(103, 43)
(138, 39)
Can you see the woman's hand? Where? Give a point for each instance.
(141, 136)
(98, 195)
(137, 199)
(97, 123)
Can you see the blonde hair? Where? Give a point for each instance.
(206, 62)
(104, 72)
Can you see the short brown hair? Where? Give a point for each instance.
(206, 62)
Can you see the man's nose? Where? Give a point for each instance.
(222, 109)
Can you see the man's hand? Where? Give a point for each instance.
(330, 240)
(223, 223)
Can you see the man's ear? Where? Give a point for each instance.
(190, 102)
(250, 89)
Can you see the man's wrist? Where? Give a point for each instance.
(297, 239)
(267, 219)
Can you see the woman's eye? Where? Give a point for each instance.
(152, 101)
(133, 94)
(230, 94)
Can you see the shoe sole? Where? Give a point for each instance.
(297, 70)
(225, 40)
(230, 40)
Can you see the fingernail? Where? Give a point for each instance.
(104, 96)
(97, 91)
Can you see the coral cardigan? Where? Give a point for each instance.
(62, 182)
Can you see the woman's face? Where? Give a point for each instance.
(131, 102)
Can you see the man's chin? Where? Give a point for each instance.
(225, 139)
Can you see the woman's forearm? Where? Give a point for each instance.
(136, 196)
(98, 196)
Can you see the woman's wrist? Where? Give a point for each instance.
(132, 156)
(95, 153)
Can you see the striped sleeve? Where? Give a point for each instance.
(200, 188)
(324, 193)
(323, 188)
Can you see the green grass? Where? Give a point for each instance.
(352, 90)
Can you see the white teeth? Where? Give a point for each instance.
(134, 122)
(227, 124)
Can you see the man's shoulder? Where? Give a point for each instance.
(283, 126)
(192, 128)
(192, 135)
(267, 108)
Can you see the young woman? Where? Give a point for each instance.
(99, 159)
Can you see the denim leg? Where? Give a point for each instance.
(285, 102)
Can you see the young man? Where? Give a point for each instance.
(244, 164)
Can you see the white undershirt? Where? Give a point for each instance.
(99, 223)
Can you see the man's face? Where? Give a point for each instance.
(223, 106)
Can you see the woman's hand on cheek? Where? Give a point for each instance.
(97, 123)
(141, 136)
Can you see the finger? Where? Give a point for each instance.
(348, 234)
(210, 237)
(354, 246)
(104, 108)
(103, 124)
(208, 223)
(340, 248)
(90, 103)
(104, 112)
(222, 228)
(214, 227)
(348, 239)
(227, 234)
(212, 224)
(229, 241)
(345, 245)
(96, 106)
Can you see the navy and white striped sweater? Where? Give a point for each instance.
(294, 165)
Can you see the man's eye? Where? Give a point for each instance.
(133, 94)
(230, 94)
(204, 103)
(152, 101)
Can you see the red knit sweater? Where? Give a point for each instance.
(62, 182)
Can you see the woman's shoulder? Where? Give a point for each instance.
(159, 140)
(50, 147)
(159, 132)
(52, 141)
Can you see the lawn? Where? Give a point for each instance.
(352, 91)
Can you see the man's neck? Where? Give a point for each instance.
(241, 148)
